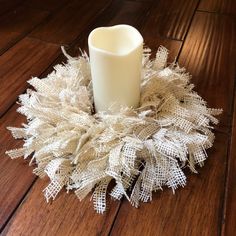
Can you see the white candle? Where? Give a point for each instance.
(116, 63)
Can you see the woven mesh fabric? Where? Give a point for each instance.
(142, 149)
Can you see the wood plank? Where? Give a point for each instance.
(65, 216)
(29, 57)
(141, 0)
(15, 176)
(7, 5)
(68, 23)
(49, 5)
(7, 39)
(229, 226)
(138, 11)
(21, 19)
(170, 19)
(218, 6)
(207, 53)
(16, 23)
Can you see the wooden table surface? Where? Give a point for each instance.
(201, 34)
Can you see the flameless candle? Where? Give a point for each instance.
(116, 63)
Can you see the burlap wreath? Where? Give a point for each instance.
(143, 149)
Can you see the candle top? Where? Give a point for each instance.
(118, 40)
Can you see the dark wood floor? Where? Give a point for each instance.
(201, 34)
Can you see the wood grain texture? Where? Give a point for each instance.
(70, 21)
(229, 226)
(29, 57)
(209, 55)
(170, 19)
(7, 39)
(141, 0)
(131, 13)
(15, 176)
(7, 5)
(49, 5)
(192, 211)
(25, 19)
(65, 216)
(218, 6)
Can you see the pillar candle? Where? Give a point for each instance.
(116, 63)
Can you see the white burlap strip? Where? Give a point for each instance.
(142, 149)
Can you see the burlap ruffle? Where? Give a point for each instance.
(142, 149)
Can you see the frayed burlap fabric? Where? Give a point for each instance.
(142, 149)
